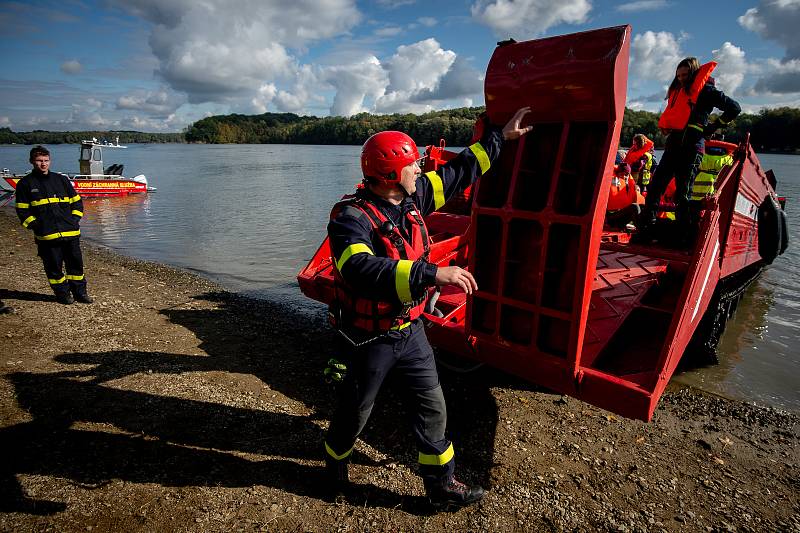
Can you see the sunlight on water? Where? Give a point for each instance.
(251, 216)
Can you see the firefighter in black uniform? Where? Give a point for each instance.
(383, 278)
(48, 205)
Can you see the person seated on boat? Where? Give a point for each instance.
(624, 198)
(48, 205)
(716, 157)
(685, 121)
(641, 157)
(383, 278)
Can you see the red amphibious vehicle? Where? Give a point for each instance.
(563, 301)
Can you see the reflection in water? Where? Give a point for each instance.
(250, 216)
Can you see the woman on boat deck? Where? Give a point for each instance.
(686, 121)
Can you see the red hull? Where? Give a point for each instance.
(561, 302)
(89, 188)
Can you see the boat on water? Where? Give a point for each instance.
(94, 179)
(566, 300)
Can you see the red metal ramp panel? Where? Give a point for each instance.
(538, 213)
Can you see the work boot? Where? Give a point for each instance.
(443, 494)
(64, 298)
(83, 297)
(338, 478)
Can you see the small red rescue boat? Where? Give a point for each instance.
(95, 180)
(561, 301)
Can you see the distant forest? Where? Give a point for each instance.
(772, 130)
(75, 137)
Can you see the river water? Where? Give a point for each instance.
(251, 216)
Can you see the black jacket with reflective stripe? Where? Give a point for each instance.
(374, 275)
(49, 205)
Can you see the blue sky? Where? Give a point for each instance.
(158, 65)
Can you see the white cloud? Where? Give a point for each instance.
(655, 55)
(528, 18)
(776, 20)
(428, 22)
(642, 5)
(732, 68)
(354, 83)
(5, 122)
(389, 31)
(160, 103)
(213, 52)
(72, 66)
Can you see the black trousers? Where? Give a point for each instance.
(63, 253)
(408, 353)
(682, 162)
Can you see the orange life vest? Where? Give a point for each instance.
(623, 193)
(377, 315)
(635, 154)
(681, 102)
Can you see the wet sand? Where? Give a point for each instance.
(172, 405)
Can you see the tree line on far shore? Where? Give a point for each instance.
(75, 137)
(771, 130)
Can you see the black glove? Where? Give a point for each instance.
(713, 125)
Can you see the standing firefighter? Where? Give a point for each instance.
(48, 205)
(383, 280)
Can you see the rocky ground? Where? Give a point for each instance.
(173, 405)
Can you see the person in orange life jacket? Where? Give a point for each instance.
(642, 160)
(379, 243)
(48, 205)
(691, 98)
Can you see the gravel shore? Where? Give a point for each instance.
(171, 404)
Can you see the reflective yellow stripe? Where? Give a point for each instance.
(57, 281)
(438, 189)
(335, 455)
(402, 280)
(482, 156)
(22, 205)
(57, 235)
(401, 326)
(76, 212)
(28, 221)
(698, 127)
(437, 460)
(44, 201)
(75, 198)
(75, 278)
(353, 249)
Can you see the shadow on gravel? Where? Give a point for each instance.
(7, 294)
(90, 431)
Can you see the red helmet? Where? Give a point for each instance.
(385, 154)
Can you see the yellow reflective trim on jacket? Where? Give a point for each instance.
(57, 281)
(76, 212)
(23, 205)
(404, 325)
(76, 198)
(482, 156)
(402, 280)
(438, 189)
(710, 166)
(697, 127)
(58, 235)
(28, 221)
(437, 460)
(44, 201)
(75, 278)
(335, 455)
(353, 249)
